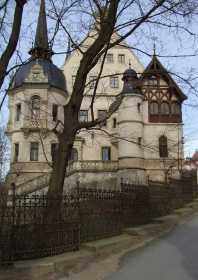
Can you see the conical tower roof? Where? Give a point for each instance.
(41, 39)
(41, 47)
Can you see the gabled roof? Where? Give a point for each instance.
(155, 67)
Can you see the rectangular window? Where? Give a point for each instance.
(101, 115)
(16, 152)
(114, 122)
(121, 58)
(73, 80)
(55, 112)
(83, 116)
(34, 151)
(54, 147)
(139, 141)
(92, 81)
(139, 107)
(114, 82)
(106, 153)
(18, 112)
(109, 58)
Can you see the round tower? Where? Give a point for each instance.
(130, 129)
(36, 99)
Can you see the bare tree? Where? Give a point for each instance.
(127, 17)
(4, 155)
(13, 36)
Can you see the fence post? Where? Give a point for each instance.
(78, 207)
(12, 233)
(13, 202)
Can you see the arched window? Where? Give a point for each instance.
(154, 108)
(74, 155)
(175, 108)
(163, 146)
(165, 109)
(35, 107)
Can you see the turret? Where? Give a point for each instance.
(36, 99)
(130, 129)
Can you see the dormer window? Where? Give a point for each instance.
(35, 107)
(152, 81)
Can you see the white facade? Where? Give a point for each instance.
(126, 146)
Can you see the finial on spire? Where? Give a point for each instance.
(68, 48)
(154, 38)
(154, 48)
(41, 47)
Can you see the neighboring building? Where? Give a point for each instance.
(191, 163)
(144, 136)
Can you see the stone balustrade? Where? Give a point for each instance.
(92, 165)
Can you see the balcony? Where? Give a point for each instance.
(34, 124)
(92, 166)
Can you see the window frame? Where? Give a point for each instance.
(162, 111)
(163, 146)
(34, 151)
(114, 122)
(108, 149)
(54, 112)
(81, 116)
(16, 152)
(152, 109)
(73, 79)
(104, 123)
(178, 106)
(74, 156)
(18, 112)
(114, 82)
(152, 81)
(109, 58)
(35, 107)
(120, 58)
(92, 81)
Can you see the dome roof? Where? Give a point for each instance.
(130, 73)
(131, 82)
(54, 76)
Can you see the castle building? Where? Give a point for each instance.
(141, 141)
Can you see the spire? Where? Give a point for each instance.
(41, 47)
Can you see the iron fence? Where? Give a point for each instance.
(34, 226)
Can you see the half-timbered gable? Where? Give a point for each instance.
(162, 93)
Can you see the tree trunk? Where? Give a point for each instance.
(60, 164)
(56, 184)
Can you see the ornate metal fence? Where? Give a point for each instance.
(39, 226)
(100, 213)
(26, 232)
